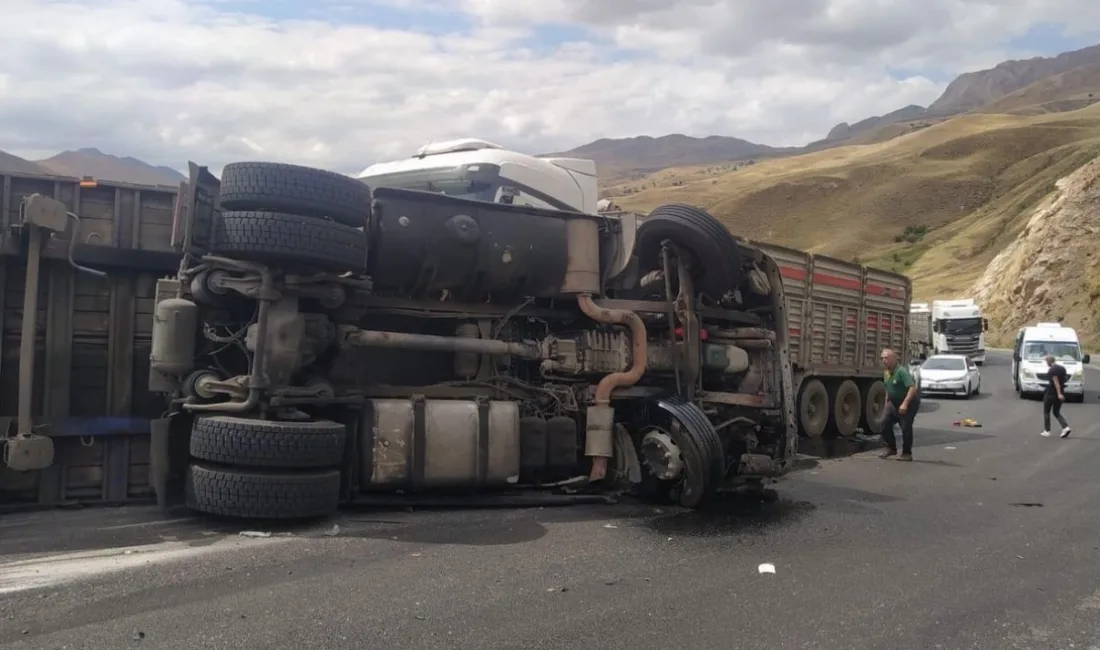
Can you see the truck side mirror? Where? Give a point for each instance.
(935, 327)
(1086, 359)
(1016, 357)
(985, 324)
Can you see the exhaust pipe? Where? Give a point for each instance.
(600, 429)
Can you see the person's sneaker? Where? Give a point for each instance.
(889, 453)
(906, 457)
(1065, 432)
(1045, 434)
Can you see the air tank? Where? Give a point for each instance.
(423, 243)
(175, 324)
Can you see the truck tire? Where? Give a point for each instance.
(246, 442)
(716, 263)
(813, 408)
(289, 240)
(246, 493)
(299, 190)
(874, 407)
(847, 406)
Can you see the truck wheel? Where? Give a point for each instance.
(246, 442)
(245, 493)
(289, 239)
(847, 406)
(295, 189)
(716, 259)
(874, 407)
(813, 408)
(686, 435)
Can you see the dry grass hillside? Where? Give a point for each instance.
(937, 203)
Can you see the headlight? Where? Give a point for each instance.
(1028, 374)
(1079, 373)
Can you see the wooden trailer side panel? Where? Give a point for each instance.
(93, 339)
(840, 314)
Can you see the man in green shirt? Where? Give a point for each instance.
(902, 404)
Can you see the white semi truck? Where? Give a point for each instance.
(959, 328)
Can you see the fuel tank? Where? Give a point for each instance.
(424, 242)
(418, 444)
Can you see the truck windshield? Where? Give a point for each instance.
(449, 181)
(1062, 350)
(962, 325)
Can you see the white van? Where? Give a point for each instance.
(1033, 344)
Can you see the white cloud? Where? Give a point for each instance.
(171, 80)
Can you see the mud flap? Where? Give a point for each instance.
(158, 458)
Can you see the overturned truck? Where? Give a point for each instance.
(323, 342)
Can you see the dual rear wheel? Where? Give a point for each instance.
(299, 220)
(841, 406)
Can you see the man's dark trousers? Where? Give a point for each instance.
(906, 422)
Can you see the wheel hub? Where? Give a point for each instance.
(661, 455)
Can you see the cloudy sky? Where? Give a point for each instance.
(343, 83)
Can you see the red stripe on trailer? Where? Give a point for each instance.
(826, 279)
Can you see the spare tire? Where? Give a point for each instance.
(289, 240)
(299, 190)
(715, 259)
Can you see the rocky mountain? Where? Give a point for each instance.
(1065, 82)
(1065, 91)
(93, 162)
(843, 131)
(643, 154)
(973, 90)
(13, 164)
(1052, 267)
(1058, 83)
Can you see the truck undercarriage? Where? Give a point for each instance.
(323, 342)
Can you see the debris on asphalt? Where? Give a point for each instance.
(332, 532)
(610, 526)
(766, 568)
(260, 534)
(950, 448)
(967, 422)
(1027, 504)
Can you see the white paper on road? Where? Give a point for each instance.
(766, 568)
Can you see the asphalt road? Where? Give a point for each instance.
(990, 540)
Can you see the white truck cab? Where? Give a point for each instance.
(1029, 369)
(477, 169)
(959, 328)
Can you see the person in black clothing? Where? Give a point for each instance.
(1054, 396)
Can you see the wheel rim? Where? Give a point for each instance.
(875, 407)
(814, 408)
(848, 408)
